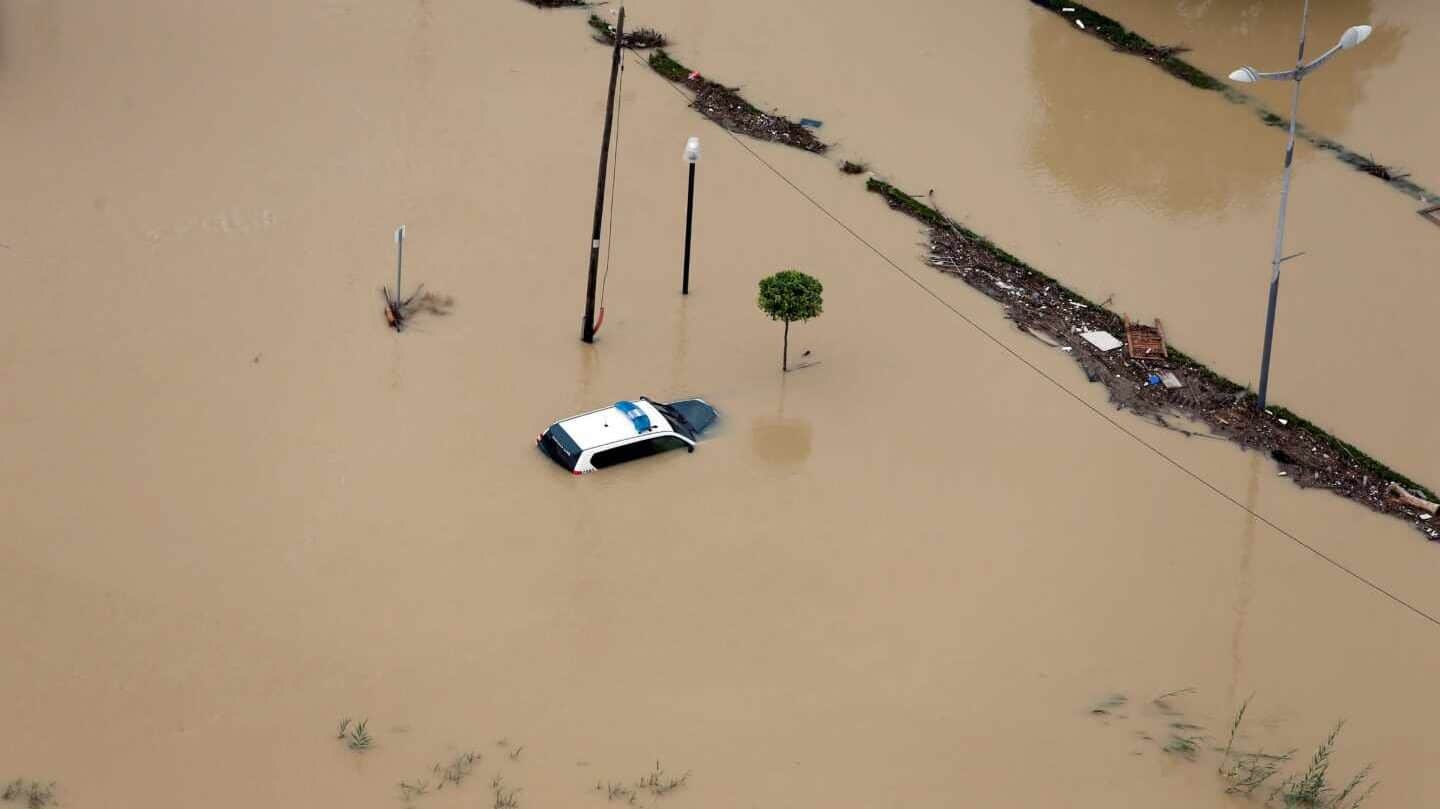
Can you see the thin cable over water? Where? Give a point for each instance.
(1073, 395)
(614, 179)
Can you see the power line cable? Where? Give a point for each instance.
(1053, 381)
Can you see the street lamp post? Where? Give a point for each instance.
(1352, 37)
(692, 156)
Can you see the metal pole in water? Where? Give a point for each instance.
(1280, 224)
(689, 218)
(1354, 35)
(399, 262)
(692, 156)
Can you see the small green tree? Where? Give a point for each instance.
(787, 296)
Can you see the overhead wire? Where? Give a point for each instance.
(1338, 565)
(614, 176)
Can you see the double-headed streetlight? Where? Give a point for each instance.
(1352, 37)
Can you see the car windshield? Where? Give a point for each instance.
(698, 414)
(676, 419)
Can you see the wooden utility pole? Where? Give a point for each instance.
(587, 329)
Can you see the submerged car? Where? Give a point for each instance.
(625, 431)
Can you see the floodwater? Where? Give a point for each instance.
(1126, 182)
(234, 508)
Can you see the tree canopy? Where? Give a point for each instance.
(791, 295)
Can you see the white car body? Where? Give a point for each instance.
(621, 432)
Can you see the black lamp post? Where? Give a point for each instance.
(692, 156)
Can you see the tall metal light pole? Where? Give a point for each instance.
(692, 156)
(1352, 37)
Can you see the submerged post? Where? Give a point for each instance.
(399, 262)
(587, 329)
(692, 156)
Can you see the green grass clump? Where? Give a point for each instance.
(356, 737)
(1247, 772)
(662, 63)
(901, 201)
(1312, 789)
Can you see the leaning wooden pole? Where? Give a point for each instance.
(587, 329)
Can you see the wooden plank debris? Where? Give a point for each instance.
(1145, 342)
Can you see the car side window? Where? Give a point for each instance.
(637, 449)
(665, 443)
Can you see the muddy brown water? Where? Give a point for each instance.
(236, 508)
(1127, 182)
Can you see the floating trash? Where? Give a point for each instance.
(1103, 340)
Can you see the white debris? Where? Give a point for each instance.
(1068, 9)
(1283, 422)
(1103, 340)
(1081, 24)
(1171, 381)
(1424, 516)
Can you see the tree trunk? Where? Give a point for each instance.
(785, 354)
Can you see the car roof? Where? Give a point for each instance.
(610, 424)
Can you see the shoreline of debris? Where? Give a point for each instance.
(1121, 39)
(726, 107)
(638, 40)
(1163, 382)
(1154, 385)
(721, 104)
